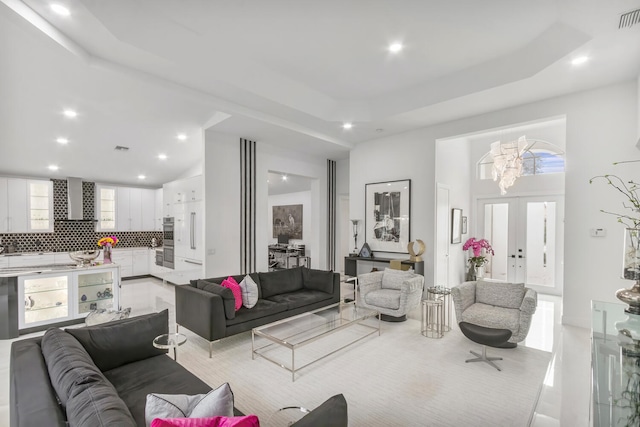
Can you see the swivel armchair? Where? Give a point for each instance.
(496, 305)
(393, 293)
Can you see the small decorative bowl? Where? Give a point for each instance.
(84, 258)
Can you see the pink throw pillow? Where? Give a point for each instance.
(247, 421)
(231, 283)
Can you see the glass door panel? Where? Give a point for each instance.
(95, 291)
(45, 300)
(541, 243)
(526, 234)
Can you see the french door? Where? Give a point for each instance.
(527, 235)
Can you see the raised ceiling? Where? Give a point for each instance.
(280, 72)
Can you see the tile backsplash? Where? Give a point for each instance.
(74, 235)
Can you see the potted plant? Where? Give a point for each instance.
(480, 249)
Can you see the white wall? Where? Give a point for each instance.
(221, 179)
(300, 198)
(602, 127)
(454, 169)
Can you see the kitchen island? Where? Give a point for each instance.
(34, 298)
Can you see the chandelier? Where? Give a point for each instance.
(507, 162)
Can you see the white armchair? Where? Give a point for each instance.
(496, 305)
(393, 293)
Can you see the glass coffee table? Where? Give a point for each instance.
(322, 332)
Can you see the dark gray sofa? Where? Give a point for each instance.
(82, 367)
(207, 309)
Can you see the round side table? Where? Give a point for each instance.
(286, 416)
(170, 341)
(432, 318)
(444, 294)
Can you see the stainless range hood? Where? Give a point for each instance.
(75, 201)
(74, 197)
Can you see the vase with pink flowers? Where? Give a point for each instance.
(480, 250)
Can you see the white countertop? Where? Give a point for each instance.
(27, 270)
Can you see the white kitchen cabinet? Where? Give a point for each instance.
(95, 290)
(183, 190)
(18, 196)
(4, 262)
(40, 206)
(123, 209)
(53, 297)
(189, 231)
(46, 299)
(4, 205)
(140, 262)
(123, 257)
(148, 209)
(106, 202)
(159, 209)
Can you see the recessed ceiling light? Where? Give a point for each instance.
(182, 137)
(579, 60)
(70, 113)
(62, 140)
(60, 10)
(141, 177)
(395, 47)
(347, 125)
(53, 167)
(284, 177)
(162, 156)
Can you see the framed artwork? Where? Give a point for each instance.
(365, 252)
(287, 220)
(456, 225)
(387, 219)
(464, 225)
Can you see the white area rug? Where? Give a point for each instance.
(397, 379)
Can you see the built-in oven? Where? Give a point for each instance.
(160, 257)
(167, 241)
(167, 231)
(167, 255)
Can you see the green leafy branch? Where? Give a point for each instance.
(630, 190)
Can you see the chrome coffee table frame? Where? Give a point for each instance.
(298, 331)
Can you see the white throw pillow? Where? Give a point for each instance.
(249, 290)
(218, 402)
(393, 279)
(102, 315)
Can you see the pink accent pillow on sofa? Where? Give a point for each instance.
(231, 283)
(248, 421)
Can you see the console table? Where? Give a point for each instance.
(351, 264)
(615, 373)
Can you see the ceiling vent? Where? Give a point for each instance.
(121, 148)
(629, 19)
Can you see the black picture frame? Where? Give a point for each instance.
(456, 225)
(365, 251)
(388, 215)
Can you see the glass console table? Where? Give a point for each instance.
(615, 374)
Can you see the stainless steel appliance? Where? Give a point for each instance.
(160, 257)
(168, 230)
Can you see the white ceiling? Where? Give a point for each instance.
(286, 73)
(285, 183)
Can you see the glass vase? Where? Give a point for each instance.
(631, 254)
(106, 258)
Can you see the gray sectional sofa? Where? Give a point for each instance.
(207, 309)
(94, 376)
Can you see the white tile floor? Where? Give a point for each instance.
(564, 398)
